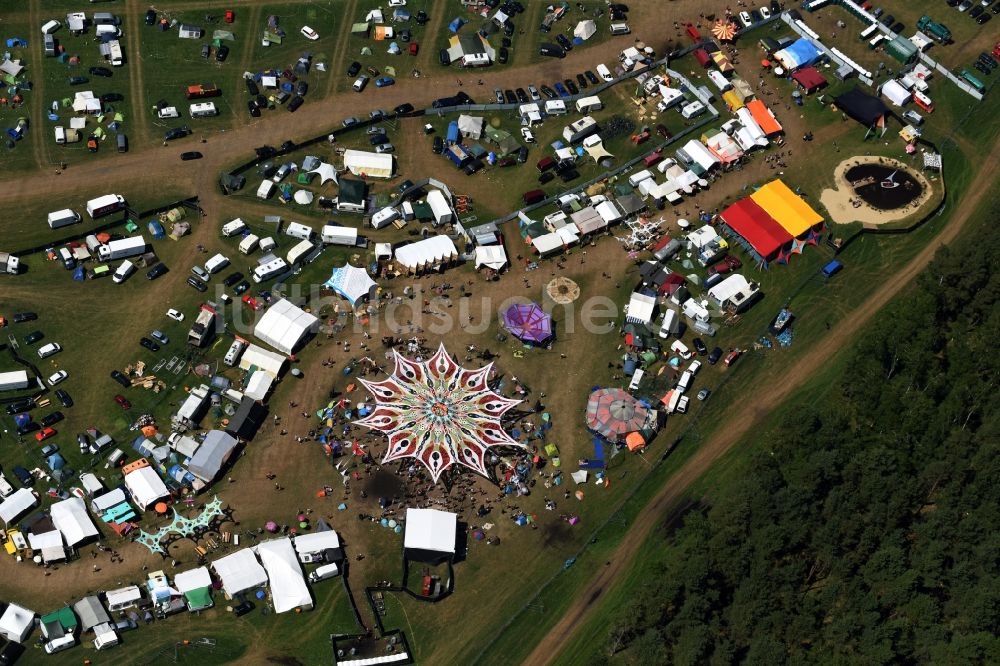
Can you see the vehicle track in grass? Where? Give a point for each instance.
(747, 415)
(134, 10)
(37, 105)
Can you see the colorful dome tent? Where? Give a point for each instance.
(724, 30)
(788, 209)
(528, 322)
(613, 414)
(351, 282)
(799, 53)
(438, 413)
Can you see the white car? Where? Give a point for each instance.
(745, 19)
(397, 3)
(694, 367)
(680, 349)
(528, 136)
(309, 33)
(175, 314)
(58, 377)
(765, 13)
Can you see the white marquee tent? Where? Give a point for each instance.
(585, 29)
(262, 359)
(17, 505)
(315, 542)
(145, 486)
(640, 308)
(49, 544)
(16, 623)
(491, 256)
(240, 571)
(71, 518)
(284, 326)
(371, 165)
(288, 586)
(195, 579)
(325, 172)
(426, 253)
(431, 530)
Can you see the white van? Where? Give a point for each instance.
(105, 637)
(360, 83)
(168, 112)
(48, 350)
(233, 355)
(50, 26)
(323, 572)
(693, 109)
(116, 457)
(267, 244)
(605, 73)
(110, 30)
(248, 244)
(685, 381)
(61, 218)
(636, 378)
(233, 227)
(620, 29)
(216, 264)
(60, 644)
(203, 110)
(694, 367)
(125, 270)
(60, 134)
(269, 270)
(669, 325)
(265, 190)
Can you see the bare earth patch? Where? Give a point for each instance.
(840, 201)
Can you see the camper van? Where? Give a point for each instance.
(299, 230)
(475, 60)
(168, 112)
(299, 251)
(605, 73)
(60, 644)
(233, 227)
(248, 244)
(233, 355)
(216, 264)
(323, 572)
(269, 270)
(91, 484)
(693, 109)
(670, 324)
(620, 29)
(266, 189)
(105, 637)
(685, 381)
(115, 459)
(124, 271)
(267, 244)
(203, 110)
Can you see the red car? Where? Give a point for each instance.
(731, 357)
(43, 435)
(414, 48)
(228, 16)
(123, 402)
(734, 262)
(251, 302)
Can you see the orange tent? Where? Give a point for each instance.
(763, 117)
(149, 431)
(635, 441)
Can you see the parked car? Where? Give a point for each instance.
(176, 133)
(384, 148)
(731, 357)
(294, 104)
(78, 80)
(150, 16)
(149, 344)
(123, 401)
(241, 287)
(350, 121)
(108, 98)
(437, 146)
(528, 136)
(20, 317)
(533, 92)
(353, 69)
(197, 284)
(221, 53)
(121, 378)
(591, 77)
(57, 377)
(498, 93)
(33, 337)
(509, 96)
(699, 346)
(159, 337)
(253, 108)
(157, 271)
(44, 434)
(64, 399)
(384, 81)
(522, 96)
(309, 33)
(405, 107)
(51, 419)
(704, 393)
(503, 55)
(564, 42)
(191, 155)
(581, 81)
(101, 71)
(232, 279)
(714, 356)
(571, 87)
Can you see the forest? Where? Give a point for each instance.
(866, 526)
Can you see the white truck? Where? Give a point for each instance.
(105, 205)
(9, 263)
(62, 218)
(122, 248)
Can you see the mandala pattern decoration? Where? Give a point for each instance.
(439, 413)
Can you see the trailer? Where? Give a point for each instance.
(440, 208)
(334, 235)
(105, 205)
(203, 327)
(9, 263)
(115, 56)
(122, 249)
(249, 244)
(269, 270)
(300, 250)
(13, 381)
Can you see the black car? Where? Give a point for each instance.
(197, 284)
(505, 42)
(988, 59)
(176, 133)
(405, 107)
(976, 11)
(252, 87)
(232, 279)
(33, 337)
(522, 96)
(564, 42)
(986, 17)
(503, 56)
(10, 653)
(64, 398)
(243, 608)
(522, 155)
(241, 287)
(112, 97)
(700, 347)
(443, 57)
(301, 88)
(899, 28)
(156, 271)
(294, 104)
(545, 177)
(438, 146)
(508, 29)
(775, 7)
(148, 344)
(617, 7)
(376, 139)
(551, 50)
(150, 16)
(591, 77)
(101, 71)
(714, 356)
(571, 87)
(581, 80)
(18, 406)
(421, 17)
(509, 96)
(191, 155)
(548, 92)
(253, 108)
(24, 316)
(78, 80)
(353, 69)
(981, 67)
(221, 53)
(121, 378)
(51, 419)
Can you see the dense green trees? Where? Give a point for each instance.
(867, 528)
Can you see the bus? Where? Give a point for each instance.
(972, 81)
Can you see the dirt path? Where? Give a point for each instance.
(336, 69)
(134, 10)
(741, 421)
(38, 110)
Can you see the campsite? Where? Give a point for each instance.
(362, 352)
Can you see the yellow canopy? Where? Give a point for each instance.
(787, 208)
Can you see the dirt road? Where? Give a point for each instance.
(746, 415)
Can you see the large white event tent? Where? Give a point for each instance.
(288, 586)
(284, 326)
(351, 282)
(240, 572)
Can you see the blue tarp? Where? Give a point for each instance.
(832, 268)
(55, 461)
(156, 229)
(456, 24)
(452, 135)
(800, 53)
(79, 274)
